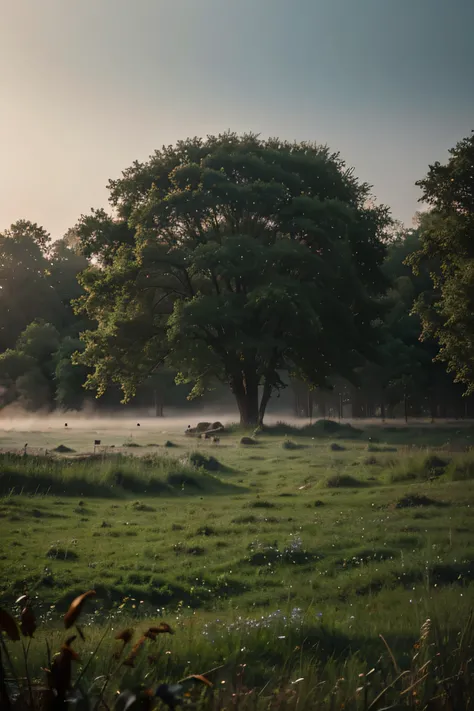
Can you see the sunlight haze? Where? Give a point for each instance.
(88, 87)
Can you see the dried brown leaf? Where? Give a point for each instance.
(59, 676)
(75, 608)
(125, 636)
(162, 628)
(200, 678)
(130, 660)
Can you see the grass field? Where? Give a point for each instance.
(328, 534)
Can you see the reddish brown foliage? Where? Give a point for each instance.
(72, 615)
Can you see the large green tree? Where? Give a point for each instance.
(447, 247)
(233, 258)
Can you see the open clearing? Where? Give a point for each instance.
(365, 531)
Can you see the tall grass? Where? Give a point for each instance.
(103, 476)
(287, 659)
(417, 467)
(461, 468)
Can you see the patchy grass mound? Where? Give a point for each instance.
(248, 441)
(461, 468)
(63, 449)
(260, 504)
(417, 468)
(203, 461)
(411, 500)
(347, 481)
(371, 447)
(289, 444)
(319, 429)
(110, 476)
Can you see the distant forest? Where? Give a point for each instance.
(249, 274)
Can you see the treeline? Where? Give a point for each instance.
(239, 270)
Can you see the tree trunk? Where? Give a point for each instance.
(245, 390)
(158, 404)
(266, 395)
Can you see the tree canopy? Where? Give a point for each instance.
(234, 258)
(447, 251)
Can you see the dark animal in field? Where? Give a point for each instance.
(138, 424)
(65, 424)
(216, 440)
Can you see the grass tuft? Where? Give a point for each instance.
(347, 481)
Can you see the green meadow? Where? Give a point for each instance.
(327, 533)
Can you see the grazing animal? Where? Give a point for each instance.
(216, 440)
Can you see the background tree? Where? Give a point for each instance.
(38, 280)
(447, 246)
(69, 378)
(233, 258)
(27, 372)
(25, 288)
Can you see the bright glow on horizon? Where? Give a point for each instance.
(89, 87)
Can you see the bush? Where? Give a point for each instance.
(334, 447)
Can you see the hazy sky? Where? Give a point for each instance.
(88, 86)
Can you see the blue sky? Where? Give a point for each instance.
(88, 86)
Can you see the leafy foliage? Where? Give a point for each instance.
(447, 250)
(247, 257)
